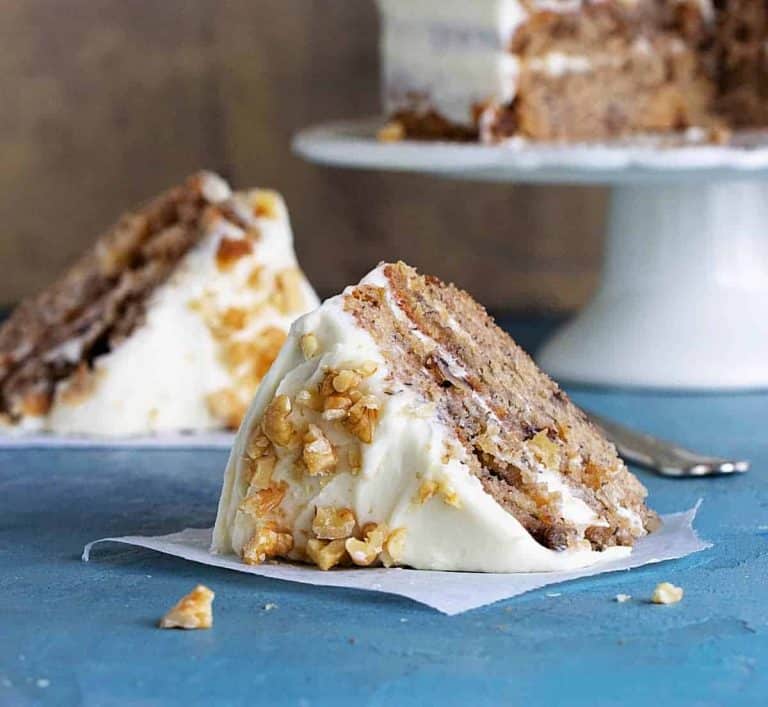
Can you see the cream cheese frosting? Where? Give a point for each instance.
(190, 363)
(411, 477)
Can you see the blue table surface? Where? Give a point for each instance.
(75, 633)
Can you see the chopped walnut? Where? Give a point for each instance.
(365, 552)
(195, 610)
(288, 297)
(230, 250)
(256, 277)
(326, 554)
(394, 131)
(332, 523)
(318, 454)
(344, 380)
(335, 407)
(268, 541)
(264, 501)
(258, 445)
(431, 487)
(309, 345)
(393, 547)
(230, 320)
(545, 450)
(226, 406)
(362, 418)
(449, 496)
(277, 426)
(666, 593)
(260, 471)
(265, 204)
(427, 489)
(367, 369)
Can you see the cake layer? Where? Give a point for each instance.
(379, 436)
(572, 69)
(168, 323)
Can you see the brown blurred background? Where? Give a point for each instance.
(105, 102)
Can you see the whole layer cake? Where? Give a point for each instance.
(400, 425)
(168, 322)
(573, 69)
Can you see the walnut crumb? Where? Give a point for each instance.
(195, 610)
(392, 552)
(287, 297)
(277, 427)
(666, 593)
(230, 250)
(362, 418)
(265, 204)
(394, 131)
(621, 598)
(264, 501)
(426, 491)
(333, 523)
(318, 454)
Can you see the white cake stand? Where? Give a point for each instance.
(683, 301)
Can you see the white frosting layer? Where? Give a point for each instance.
(452, 53)
(410, 447)
(160, 377)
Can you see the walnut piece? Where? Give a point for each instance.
(265, 204)
(226, 406)
(263, 502)
(268, 541)
(332, 523)
(362, 418)
(393, 547)
(195, 610)
(277, 427)
(344, 380)
(287, 297)
(666, 593)
(354, 458)
(309, 345)
(431, 487)
(365, 552)
(393, 131)
(318, 454)
(326, 554)
(427, 489)
(230, 250)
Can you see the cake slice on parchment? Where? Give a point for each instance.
(400, 425)
(168, 322)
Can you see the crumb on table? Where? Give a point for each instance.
(666, 593)
(195, 610)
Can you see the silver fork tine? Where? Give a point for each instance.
(666, 458)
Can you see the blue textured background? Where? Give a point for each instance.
(74, 633)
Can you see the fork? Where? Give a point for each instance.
(665, 458)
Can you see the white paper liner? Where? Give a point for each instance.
(449, 592)
(166, 440)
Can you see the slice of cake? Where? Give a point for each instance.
(573, 69)
(169, 322)
(400, 425)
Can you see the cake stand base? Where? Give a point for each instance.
(683, 301)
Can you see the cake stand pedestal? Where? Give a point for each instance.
(683, 300)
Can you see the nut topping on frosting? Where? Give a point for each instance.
(318, 454)
(333, 523)
(265, 204)
(365, 552)
(277, 426)
(393, 547)
(268, 541)
(326, 554)
(309, 345)
(231, 250)
(195, 610)
(362, 418)
(265, 501)
(288, 297)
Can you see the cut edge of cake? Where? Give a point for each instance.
(381, 436)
